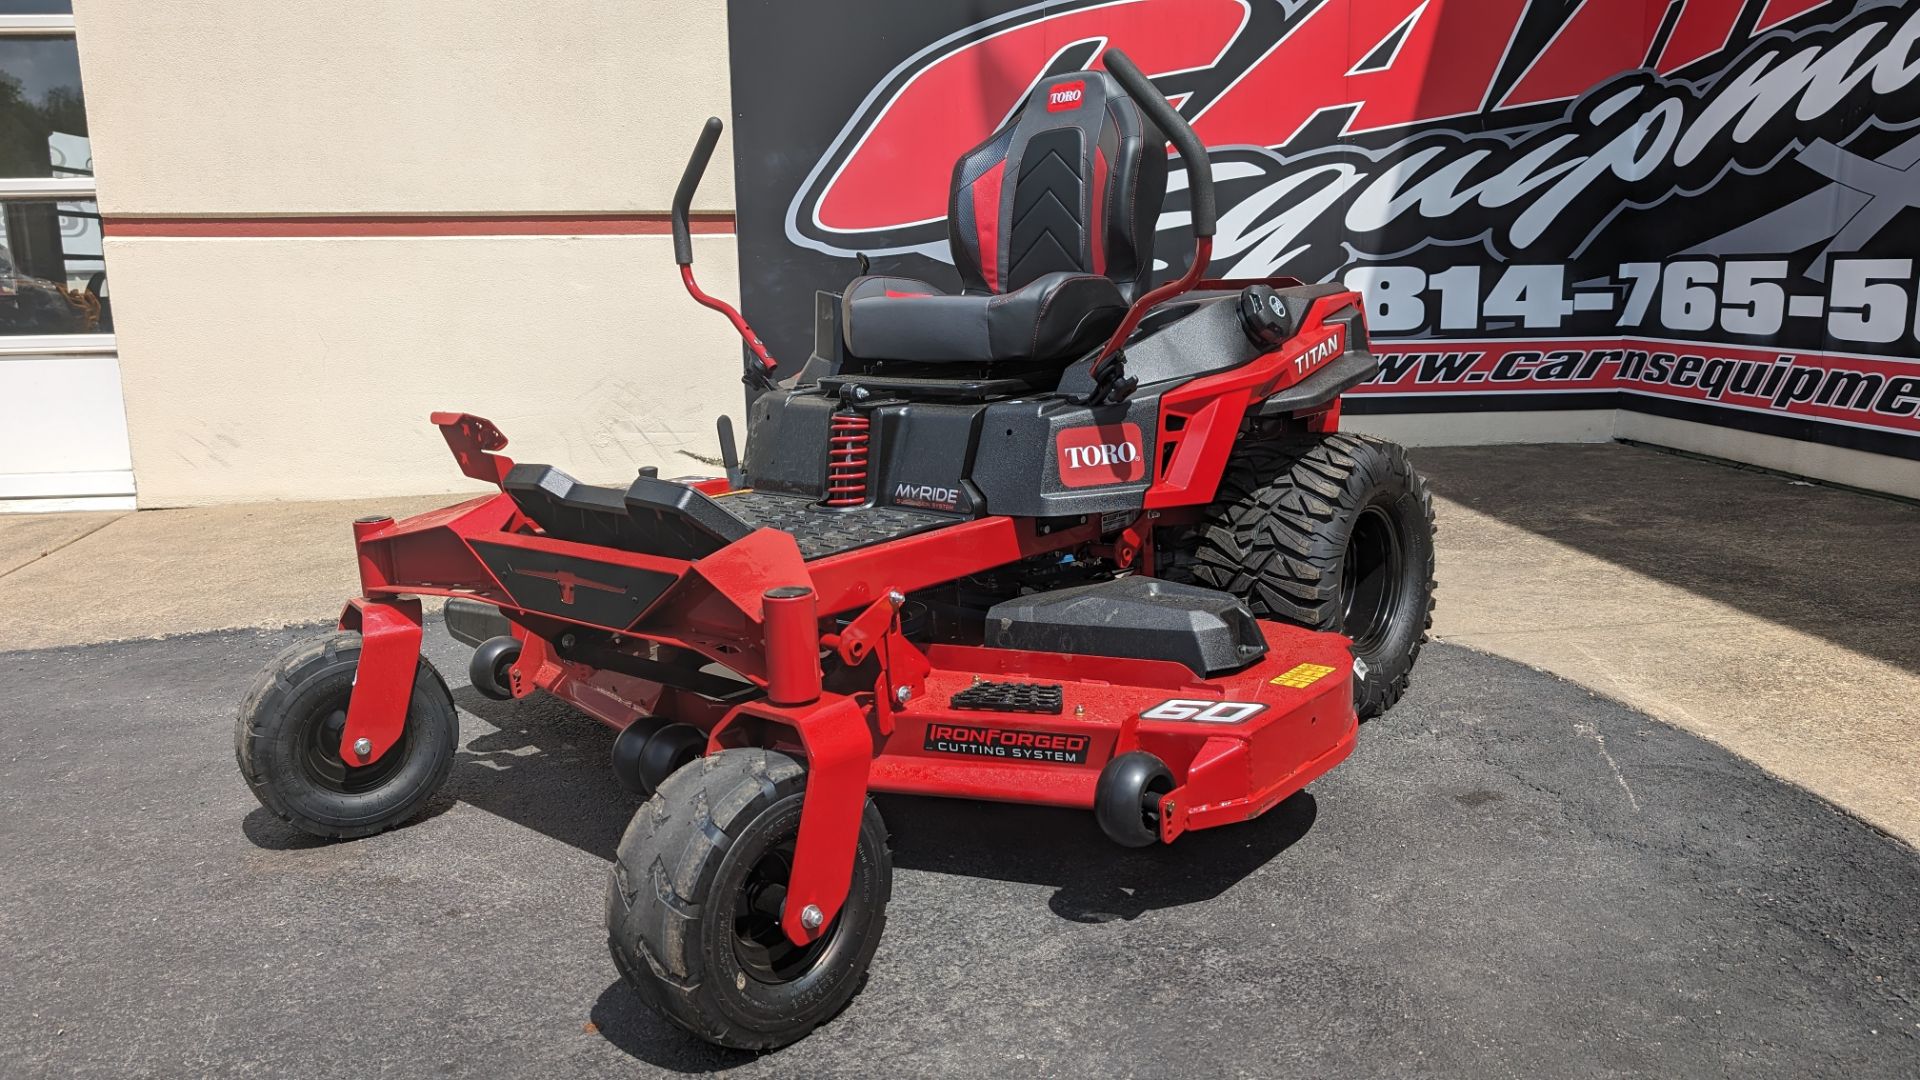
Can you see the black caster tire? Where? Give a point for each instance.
(489, 670)
(669, 750)
(1331, 532)
(694, 897)
(1126, 798)
(287, 741)
(629, 747)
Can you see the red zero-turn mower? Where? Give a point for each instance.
(1061, 538)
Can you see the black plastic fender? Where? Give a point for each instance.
(1339, 375)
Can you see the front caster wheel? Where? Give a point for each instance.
(628, 746)
(695, 896)
(669, 750)
(490, 669)
(1126, 798)
(287, 742)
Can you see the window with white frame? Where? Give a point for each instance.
(52, 280)
(63, 424)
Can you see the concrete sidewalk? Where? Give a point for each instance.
(1774, 617)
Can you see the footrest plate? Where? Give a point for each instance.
(1010, 697)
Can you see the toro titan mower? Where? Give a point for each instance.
(1062, 537)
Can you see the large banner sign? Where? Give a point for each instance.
(1704, 209)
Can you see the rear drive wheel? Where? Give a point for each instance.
(1332, 532)
(287, 743)
(695, 897)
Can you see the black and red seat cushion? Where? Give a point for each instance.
(1050, 223)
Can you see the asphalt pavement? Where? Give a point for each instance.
(1511, 877)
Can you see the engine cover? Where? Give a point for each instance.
(1136, 618)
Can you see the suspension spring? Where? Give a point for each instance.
(847, 460)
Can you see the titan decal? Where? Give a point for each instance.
(1515, 187)
(1320, 351)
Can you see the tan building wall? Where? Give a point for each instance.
(275, 367)
(287, 368)
(305, 369)
(424, 106)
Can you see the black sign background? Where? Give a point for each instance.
(1715, 232)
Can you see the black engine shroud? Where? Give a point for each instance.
(1010, 441)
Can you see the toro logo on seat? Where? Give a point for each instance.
(1066, 96)
(1100, 454)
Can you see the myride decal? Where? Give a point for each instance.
(1096, 454)
(1726, 179)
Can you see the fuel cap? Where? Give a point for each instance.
(1264, 317)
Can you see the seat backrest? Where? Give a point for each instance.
(1072, 181)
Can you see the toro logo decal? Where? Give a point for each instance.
(1066, 96)
(1100, 454)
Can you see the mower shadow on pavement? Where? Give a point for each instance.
(545, 768)
(1094, 880)
(264, 829)
(641, 1033)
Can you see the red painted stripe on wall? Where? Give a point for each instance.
(647, 224)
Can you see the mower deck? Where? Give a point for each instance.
(1016, 726)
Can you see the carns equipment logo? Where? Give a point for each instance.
(1522, 127)
(1100, 454)
(1740, 174)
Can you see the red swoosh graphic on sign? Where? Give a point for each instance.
(899, 173)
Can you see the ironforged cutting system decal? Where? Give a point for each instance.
(1006, 743)
(1696, 208)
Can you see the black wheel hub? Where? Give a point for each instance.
(759, 944)
(320, 753)
(1370, 579)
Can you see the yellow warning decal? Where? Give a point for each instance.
(1302, 675)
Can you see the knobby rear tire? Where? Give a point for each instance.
(1293, 517)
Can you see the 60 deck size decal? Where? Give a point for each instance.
(1203, 711)
(1050, 746)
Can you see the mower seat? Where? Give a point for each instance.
(1060, 314)
(1050, 223)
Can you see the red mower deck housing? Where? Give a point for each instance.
(1236, 745)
